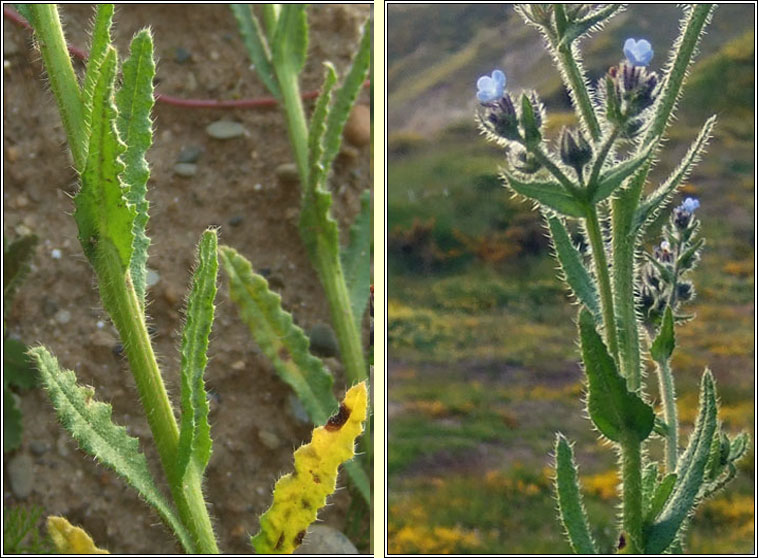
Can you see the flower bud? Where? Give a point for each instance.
(501, 118)
(575, 151)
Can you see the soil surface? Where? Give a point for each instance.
(255, 425)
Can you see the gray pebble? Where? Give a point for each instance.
(225, 129)
(38, 447)
(322, 539)
(185, 169)
(287, 173)
(49, 308)
(269, 439)
(189, 154)
(21, 475)
(297, 409)
(182, 55)
(323, 340)
(236, 221)
(63, 316)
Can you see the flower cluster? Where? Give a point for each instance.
(662, 275)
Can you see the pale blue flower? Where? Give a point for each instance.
(638, 53)
(690, 205)
(490, 88)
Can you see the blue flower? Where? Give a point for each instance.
(638, 53)
(490, 88)
(690, 205)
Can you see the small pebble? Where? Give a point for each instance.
(182, 55)
(225, 129)
(358, 127)
(49, 307)
(322, 539)
(55, 254)
(171, 295)
(102, 338)
(323, 340)
(297, 409)
(20, 201)
(258, 187)
(21, 475)
(185, 169)
(236, 221)
(100, 324)
(63, 316)
(189, 154)
(287, 173)
(38, 447)
(11, 153)
(269, 439)
(238, 365)
(191, 83)
(238, 531)
(152, 278)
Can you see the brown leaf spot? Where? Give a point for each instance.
(279, 542)
(335, 422)
(299, 538)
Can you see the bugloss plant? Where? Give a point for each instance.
(109, 131)
(629, 305)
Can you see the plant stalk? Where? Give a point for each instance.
(121, 302)
(63, 82)
(603, 278)
(631, 474)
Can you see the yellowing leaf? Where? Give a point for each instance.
(298, 496)
(69, 539)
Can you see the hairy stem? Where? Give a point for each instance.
(65, 87)
(297, 125)
(122, 303)
(578, 87)
(668, 394)
(631, 474)
(604, 281)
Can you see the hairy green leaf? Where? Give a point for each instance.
(195, 432)
(101, 40)
(659, 497)
(651, 205)
(739, 446)
(570, 506)
(345, 97)
(17, 258)
(135, 101)
(617, 412)
(317, 128)
(89, 422)
(283, 343)
(102, 213)
(290, 44)
(664, 344)
(613, 178)
(576, 275)
(256, 44)
(550, 194)
(356, 259)
(690, 470)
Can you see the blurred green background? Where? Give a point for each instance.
(483, 361)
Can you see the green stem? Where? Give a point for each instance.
(297, 126)
(668, 394)
(603, 278)
(631, 474)
(121, 302)
(60, 71)
(598, 165)
(546, 162)
(577, 85)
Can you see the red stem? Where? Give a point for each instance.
(258, 102)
